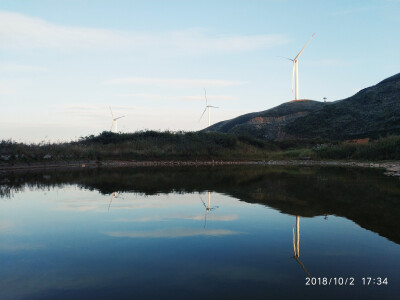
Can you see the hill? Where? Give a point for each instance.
(372, 112)
(268, 124)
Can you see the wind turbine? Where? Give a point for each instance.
(295, 70)
(114, 195)
(207, 207)
(296, 245)
(114, 124)
(207, 108)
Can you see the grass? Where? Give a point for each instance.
(387, 148)
(155, 145)
(143, 145)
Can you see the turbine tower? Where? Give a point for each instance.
(114, 123)
(295, 69)
(296, 245)
(207, 108)
(296, 239)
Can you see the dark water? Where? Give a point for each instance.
(200, 233)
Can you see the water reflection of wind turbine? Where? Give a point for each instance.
(296, 245)
(207, 207)
(114, 195)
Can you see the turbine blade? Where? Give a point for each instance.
(213, 106)
(110, 203)
(205, 96)
(203, 202)
(112, 115)
(298, 55)
(118, 118)
(285, 58)
(203, 113)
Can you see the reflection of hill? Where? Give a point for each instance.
(364, 196)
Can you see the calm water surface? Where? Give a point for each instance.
(202, 233)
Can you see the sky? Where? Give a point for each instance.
(63, 63)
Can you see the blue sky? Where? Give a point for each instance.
(62, 63)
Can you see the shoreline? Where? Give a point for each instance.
(392, 168)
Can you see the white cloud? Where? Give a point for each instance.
(77, 207)
(6, 225)
(210, 217)
(209, 97)
(101, 111)
(171, 233)
(6, 90)
(173, 81)
(21, 68)
(142, 219)
(178, 98)
(19, 31)
(12, 247)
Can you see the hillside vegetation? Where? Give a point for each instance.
(192, 146)
(144, 145)
(373, 112)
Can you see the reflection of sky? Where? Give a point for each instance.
(171, 233)
(67, 240)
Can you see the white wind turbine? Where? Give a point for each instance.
(207, 207)
(114, 195)
(296, 245)
(207, 108)
(295, 71)
(114, 123)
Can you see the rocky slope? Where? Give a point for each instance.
(268, 124)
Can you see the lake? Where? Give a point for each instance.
(233, 232)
